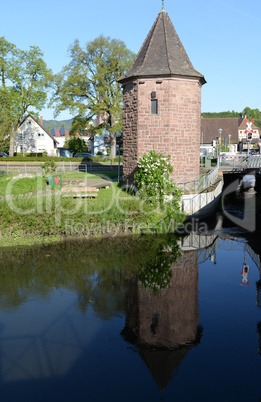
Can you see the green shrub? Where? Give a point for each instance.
(153, 180)
(48, 167)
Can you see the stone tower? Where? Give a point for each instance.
(162, 103)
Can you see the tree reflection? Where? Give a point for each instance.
(156, 274)
(94, 270)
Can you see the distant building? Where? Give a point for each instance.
(32, 137)
(242, 136)
(233, 126)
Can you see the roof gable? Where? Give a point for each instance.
(162, 53)
(243, 126)
(42, 127)
(210, 127)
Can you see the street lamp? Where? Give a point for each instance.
(229, 136)
(220, 133)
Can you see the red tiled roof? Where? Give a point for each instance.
(67, 133)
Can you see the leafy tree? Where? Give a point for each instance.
(221, 114)
(75, 144)
(88, 85)
(24, 78)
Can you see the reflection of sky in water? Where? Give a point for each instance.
(45, 338)
(52, 350)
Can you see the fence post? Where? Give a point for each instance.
(195, 183)
(183, 184)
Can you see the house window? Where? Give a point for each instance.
(21, 136)
(154, 106)
(40, 135)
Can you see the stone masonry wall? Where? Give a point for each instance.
(130, 134)
(174, 131)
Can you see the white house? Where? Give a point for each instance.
(32, 137)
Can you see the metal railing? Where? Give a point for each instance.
(234, 162)
(27, 169)
(193, 184)
(254, 161)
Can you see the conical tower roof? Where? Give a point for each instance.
(162, 54)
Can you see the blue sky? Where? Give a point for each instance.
(222, 38)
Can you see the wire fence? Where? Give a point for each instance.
(37, 170)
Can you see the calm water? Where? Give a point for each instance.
(144, 319)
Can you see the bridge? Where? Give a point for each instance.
(238, 163)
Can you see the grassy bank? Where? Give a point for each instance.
(27, 218)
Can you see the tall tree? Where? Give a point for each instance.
(75, 144)
(24, 79)
(88, 86)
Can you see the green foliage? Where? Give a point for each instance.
(48, 124)
(24, 79)
(153, 179)
(82, 267)
(88, 86)
(48, 168)
(220, 114)
(75, 144)
(157, 272)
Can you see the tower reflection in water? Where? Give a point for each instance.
(165, 326)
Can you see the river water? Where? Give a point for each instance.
(134, 318)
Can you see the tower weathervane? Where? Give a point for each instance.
(163, 9)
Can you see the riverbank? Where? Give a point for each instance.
(32, 213)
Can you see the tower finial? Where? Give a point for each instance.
(163, 9)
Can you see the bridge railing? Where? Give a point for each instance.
(254, 161)
(233, 161)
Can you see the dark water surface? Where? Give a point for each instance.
(133, 319)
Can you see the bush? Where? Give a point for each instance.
(153, 179)
(48, 168)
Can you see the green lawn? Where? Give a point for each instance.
(29, 185)
(94, 175)
(26, 219)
